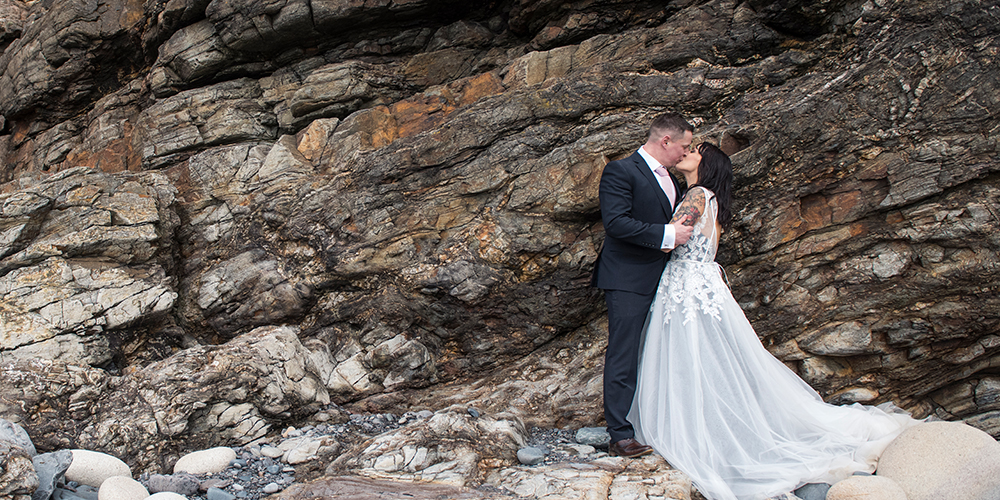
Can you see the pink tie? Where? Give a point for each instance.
(662, 172)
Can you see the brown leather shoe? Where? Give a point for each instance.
(629, 448)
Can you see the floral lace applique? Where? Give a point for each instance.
(691, 281)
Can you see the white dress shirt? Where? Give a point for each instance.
(667, 185)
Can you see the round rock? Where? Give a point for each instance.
(531, 455)
(121, 488)
(166, 495)
(182, 484)
(92, 468)
(866, 488)
(597, 437)
(210, 461)
(937, 460)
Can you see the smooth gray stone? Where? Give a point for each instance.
(813, 491)
(9, 431)
(83, 492)
(531, 455)
(597, 437)
(51, 469)
(180, 483)
(217, 494)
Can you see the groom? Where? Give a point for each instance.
(637, 197)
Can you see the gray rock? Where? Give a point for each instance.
(51, 469)
(813, 491)
(15, 434)
(80, 493)
(217, 494)
(597, 437)
(181, 483)
(531, 455)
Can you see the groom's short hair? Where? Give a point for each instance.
(671, 124)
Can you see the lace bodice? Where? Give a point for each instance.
(692, 281)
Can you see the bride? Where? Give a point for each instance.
(712, 400)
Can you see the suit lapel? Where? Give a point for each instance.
(644, 170)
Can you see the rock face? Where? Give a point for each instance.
(217, 217)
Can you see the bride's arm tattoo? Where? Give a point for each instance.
(693, 204)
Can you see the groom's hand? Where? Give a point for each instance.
(682, 230)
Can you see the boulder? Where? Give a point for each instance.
(937, 460)
(866, 488)
(210, 461)
(51, 469)
(92, 468)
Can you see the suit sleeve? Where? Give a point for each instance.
(616, 197)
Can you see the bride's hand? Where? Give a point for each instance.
(682, 230)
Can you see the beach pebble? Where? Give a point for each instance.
(181, 483)
(121, 488)
(597, 437)
(531, 455)
(217, 494)
(92, 468)
(210, 461)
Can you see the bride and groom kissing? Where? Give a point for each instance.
(685, 374)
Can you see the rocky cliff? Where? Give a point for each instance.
(220, 216)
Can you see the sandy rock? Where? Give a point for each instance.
(943, 460)
(866, 488)
(208, 461)
(121, 488)
(93, 468)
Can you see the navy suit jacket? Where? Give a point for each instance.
(634, 210)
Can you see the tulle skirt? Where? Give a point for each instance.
(718, 406)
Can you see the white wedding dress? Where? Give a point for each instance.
(718, 406)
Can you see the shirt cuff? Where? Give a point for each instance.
(668, 237)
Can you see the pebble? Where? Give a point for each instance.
(75, 491)
(271, 488)
(531, 455)
(813, 491)
(181, 483)
(217, 494)
(597, 437)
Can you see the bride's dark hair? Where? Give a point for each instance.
(715, 172)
